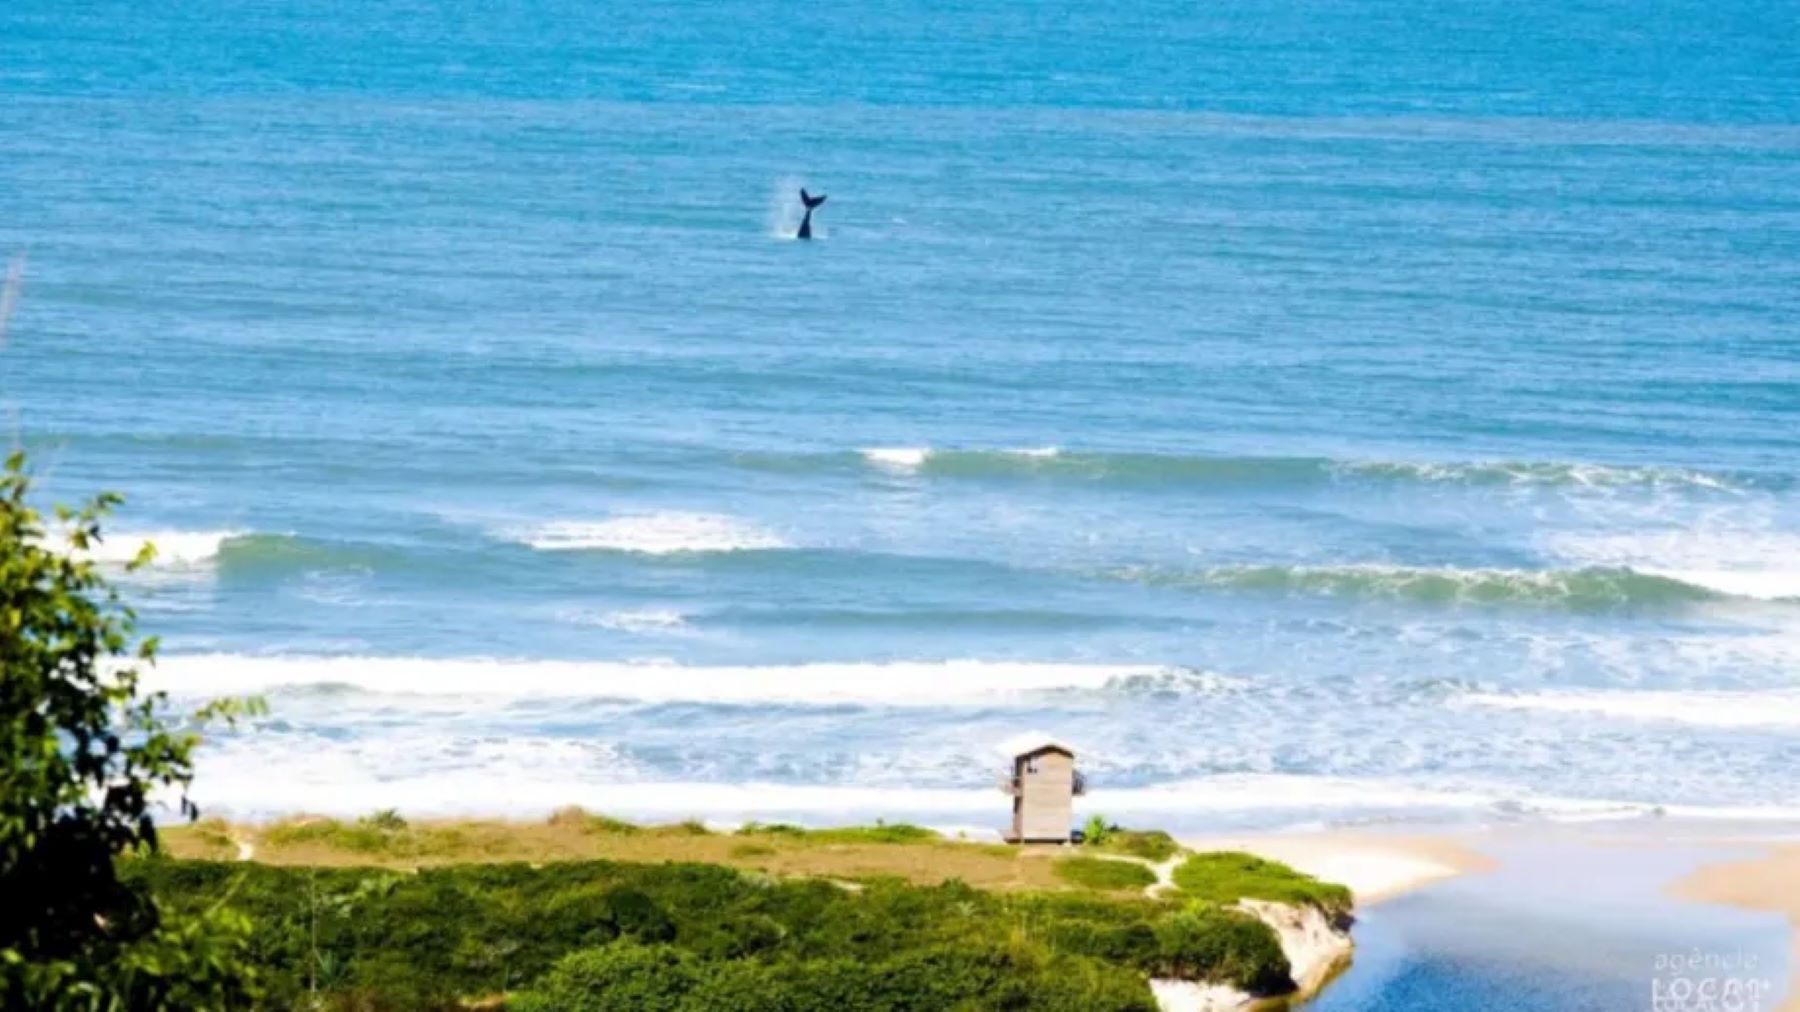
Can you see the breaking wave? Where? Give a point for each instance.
(1151, 469)
(172, 548)
(1592, 588)
(1751, 562)
(237, 551)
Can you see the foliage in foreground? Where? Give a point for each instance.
(626, 975)
(371, 938)
(83, 757)
(1224, 877)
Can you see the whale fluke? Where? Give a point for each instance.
(811, 202)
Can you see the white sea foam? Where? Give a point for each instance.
(1537, 473)
(173, 548)
(643, 620)
(1763, 585)
(1601, 476)
(897, 458)
(922, 683)
(784, 212)
(1779, 708)
(1749, 561)
(911, 458)
(652, 534)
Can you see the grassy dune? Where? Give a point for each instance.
(915, 855)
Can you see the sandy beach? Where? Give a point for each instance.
(1769, 882)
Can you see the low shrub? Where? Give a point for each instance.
(445, 935)
(358, 837)
(386, 820)
(1130, 944)
(1104, 873)
(1151, 844)
(1206, 942)
(1224, 877)
(1096, 830)
(971, 978)
(881, 832)
(616, 977)
(593, 822)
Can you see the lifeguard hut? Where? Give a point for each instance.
(1043, 784)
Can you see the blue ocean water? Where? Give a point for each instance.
(1312, 411)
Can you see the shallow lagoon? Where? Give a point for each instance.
(1564, 926)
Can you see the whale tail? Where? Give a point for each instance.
(806, 220)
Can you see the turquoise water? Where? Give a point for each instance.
(1314, 412)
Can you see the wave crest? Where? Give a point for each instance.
(1579, 589)
(172, 548)
(1133, 468)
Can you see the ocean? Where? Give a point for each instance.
(1315, 413)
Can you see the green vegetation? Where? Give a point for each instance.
(881, 832)
(376, 938)
(1096, 830)
(1104, 873)
(593, 822)
(604, 825)
(1209, 943)
(385, 835)
(82, 755)
(980, 976)
(1224, 877)
(909, 852)
(387, 820)
(1151, 844)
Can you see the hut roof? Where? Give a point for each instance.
(1033, 742)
